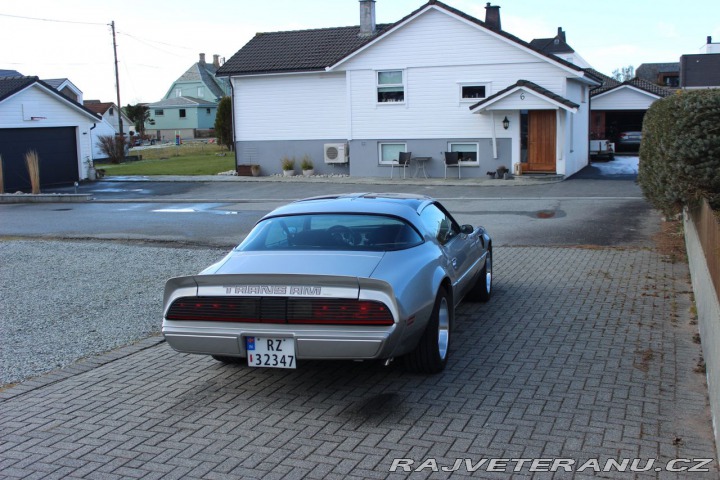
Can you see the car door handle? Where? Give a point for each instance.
(454, 263)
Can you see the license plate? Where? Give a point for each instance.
(270, 352)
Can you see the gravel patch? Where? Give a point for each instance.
(64, 300)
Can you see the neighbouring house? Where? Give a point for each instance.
(662, 74)
(110, 124)
(621, 106)
(66, 87)
(701, 70)
(437, 80)
(10, 73)
(559, 47)
(36, 116)
(189, 107)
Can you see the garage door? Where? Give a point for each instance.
(56, 147)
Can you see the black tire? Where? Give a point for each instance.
(432, 351)
(229, 360)
(482, 290)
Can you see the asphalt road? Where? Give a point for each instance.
(579, 211)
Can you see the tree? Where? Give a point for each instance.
(138, 114)
(623, 74)
(223, 123)
(113, 146)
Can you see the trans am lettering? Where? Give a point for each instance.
(273, 290)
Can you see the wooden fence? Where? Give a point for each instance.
(707, 224)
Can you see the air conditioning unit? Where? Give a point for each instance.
(336, 153)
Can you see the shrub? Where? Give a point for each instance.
(288, 163)
(307, 163)
(113, 146)
(680, 151)
(223, 123)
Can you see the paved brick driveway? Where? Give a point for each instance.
(582, 353)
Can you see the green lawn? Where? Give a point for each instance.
(188, 159)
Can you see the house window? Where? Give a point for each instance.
(390, 86)
(159, 112)
(111, 112)
(390, 152)
(468, 152)
(182, 113)
(178, 92)
(207, 110)
(472, 92)
(670, 80)
(201, 92)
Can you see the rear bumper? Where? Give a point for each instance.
(331, 342)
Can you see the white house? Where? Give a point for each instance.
(621, 106)
(436, 81)
(36, 116)
(110, 124)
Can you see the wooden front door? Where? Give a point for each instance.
(542, 131)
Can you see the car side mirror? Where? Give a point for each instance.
(467, 229)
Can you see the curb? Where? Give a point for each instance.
(45, 197)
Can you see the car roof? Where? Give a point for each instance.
(406, 206)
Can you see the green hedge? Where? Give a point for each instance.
(680, 151)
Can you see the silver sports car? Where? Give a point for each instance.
(356, 277)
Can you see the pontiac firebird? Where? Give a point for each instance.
(354, 277)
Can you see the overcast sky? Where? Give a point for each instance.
(159, 40)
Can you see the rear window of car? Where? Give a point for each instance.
(332, 232)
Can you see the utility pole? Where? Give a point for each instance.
(117, 81)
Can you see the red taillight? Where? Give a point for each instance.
(308, 311)
(342, 312)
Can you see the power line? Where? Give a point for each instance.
(51, 20)
(153, 41)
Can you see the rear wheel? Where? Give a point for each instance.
(482, 289)
(431, 353)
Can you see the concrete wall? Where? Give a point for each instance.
(364, 156)
(708, 310)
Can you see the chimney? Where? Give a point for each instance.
(216, 61)
(367, 18)
(709, 40)
(202, 59)
(561, 35)
(492, 16)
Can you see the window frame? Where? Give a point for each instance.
(201, 92)
(402, 84)
(182, 113)
(475, 162)
(380, 152)
(159, 112)
(463, 85)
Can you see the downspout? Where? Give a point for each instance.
(494, 135)
(91, 166)
(232, 120)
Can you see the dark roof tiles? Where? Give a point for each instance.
(315, 50)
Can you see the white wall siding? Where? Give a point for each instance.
(438, 39)
(291, 107)
(575, 137)
(438, 54)
(623, 98)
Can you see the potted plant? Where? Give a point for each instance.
(288, 166)
(307, 166)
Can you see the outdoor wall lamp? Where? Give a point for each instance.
(506, 123)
